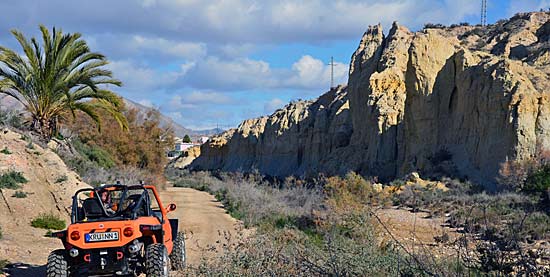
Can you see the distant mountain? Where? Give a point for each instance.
(9, 103)
(209, 132)
(165, 121)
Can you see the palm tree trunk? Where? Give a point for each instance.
(44, 127)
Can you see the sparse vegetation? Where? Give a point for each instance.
(5, 151)
(10, 118)
(254, 201)
(3, 264)
(538, 181)
(327, 227)
(30, 145)
(20, 194)
(62, 179)
(11, 180)
(434, 26)
(1, 235)
(48, 221)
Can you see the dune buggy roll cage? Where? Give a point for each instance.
(78, 213)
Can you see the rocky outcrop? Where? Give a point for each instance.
(186, 158)
(469, 96)
(303, 138)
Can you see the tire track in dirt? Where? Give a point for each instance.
(203, 219)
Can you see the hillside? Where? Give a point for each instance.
(180, 131)
(166, 121)
(49, 189)
(457, 100)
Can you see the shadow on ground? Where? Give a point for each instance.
(25, 270)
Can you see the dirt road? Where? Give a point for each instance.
(202, 218)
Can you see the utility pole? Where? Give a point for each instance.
(331, 72)
(483, 12)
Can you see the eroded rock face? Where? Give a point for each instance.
(303, 138)
(478, 94)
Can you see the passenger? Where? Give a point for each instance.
(107, 202)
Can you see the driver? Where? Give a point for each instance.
(107, 201)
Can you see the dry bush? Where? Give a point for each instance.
(513, 174)
(255, 201)
(143, 146)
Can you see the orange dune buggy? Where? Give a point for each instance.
(121, 230)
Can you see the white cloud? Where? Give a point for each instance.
(273, 105)
(146, 103)
(148, 3)
(197, 97)
(234, 21)
(214, 73)
(516, 6)
(246, 74)
(187, 50)
(133, 76)
(141, 80)
(309, 72)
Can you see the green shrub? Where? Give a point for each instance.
(95, 154)
(11, 180)
(539, 181)
(1, 235)
(3, 264)
(48, 221)
(11, 118)
(5, 151)
(30, 145)
(19, 194)
(62, 179)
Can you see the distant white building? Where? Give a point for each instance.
(204, 139)
(182, 146)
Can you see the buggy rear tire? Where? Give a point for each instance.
(157, 262)
(178, 257)
(58, 265)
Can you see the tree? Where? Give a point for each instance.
(58, 78)
(186, 139)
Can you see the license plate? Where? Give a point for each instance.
(95, 237)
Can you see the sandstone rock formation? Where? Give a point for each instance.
(186, 158)
(471, 96)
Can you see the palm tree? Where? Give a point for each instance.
(57, 80)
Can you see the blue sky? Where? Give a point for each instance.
(214, 62)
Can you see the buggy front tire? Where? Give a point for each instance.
(157, 261)
(177, 257)
(58, 265)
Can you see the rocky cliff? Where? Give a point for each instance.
(469, 96)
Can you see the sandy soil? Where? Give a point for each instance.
(417, 231)
(202, 217)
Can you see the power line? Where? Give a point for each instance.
(483, 12)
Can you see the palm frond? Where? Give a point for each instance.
(61, 75)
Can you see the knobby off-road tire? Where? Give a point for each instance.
(157, 262)
(58, 265)
(177, 257)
